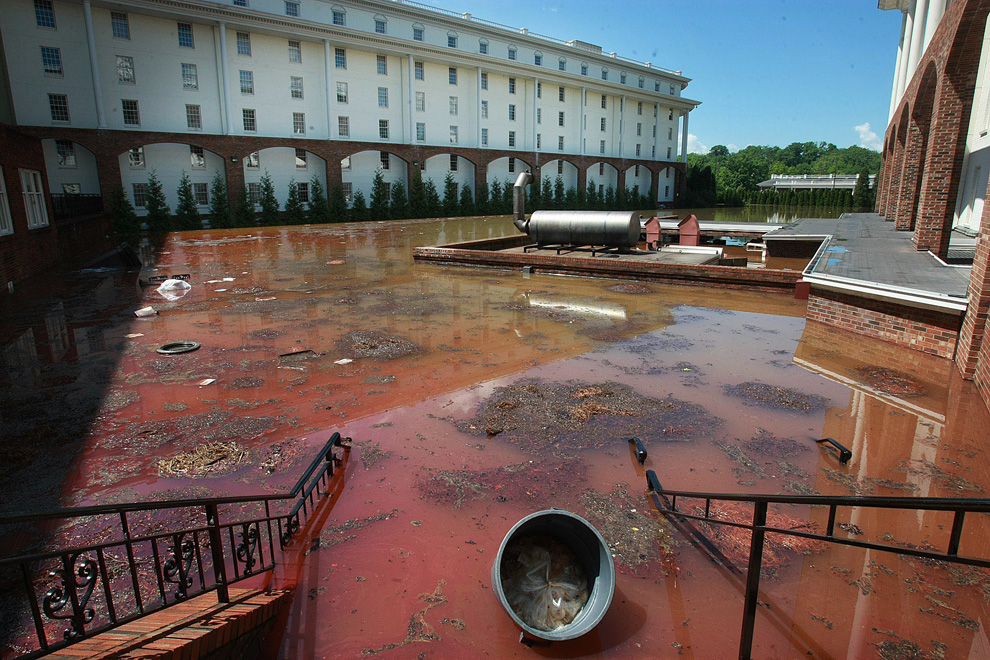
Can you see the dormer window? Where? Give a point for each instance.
(381, 25)
(418, 32)
(483, 46)
(451, 40)
(339, 15)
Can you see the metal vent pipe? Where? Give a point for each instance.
(519, 202)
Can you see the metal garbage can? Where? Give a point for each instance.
(550, 561)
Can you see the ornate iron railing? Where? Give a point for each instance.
(142, 557)
(665, 501)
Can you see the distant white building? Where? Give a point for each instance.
(799, 182)
(335, 90)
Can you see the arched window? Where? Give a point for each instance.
(584, 68)
(483, 46)
(642, 81)
(538, 58)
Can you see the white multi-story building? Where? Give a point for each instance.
(335, 90)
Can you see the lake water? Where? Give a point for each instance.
(486, 395)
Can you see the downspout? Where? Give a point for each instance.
(519, 202)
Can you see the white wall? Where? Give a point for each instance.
(280, 164)
(569, 174)
(84, 172)
(363, 168)
(168, 161)
(608, 177)
(499, 169)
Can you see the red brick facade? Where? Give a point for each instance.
(107, 146)
(919, 329)
(26, 251)
(922, 169)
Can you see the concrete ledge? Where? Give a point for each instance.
(494, 253)
(198, 628)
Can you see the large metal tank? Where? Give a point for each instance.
(610, 228)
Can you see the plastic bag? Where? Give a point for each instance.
(543, 581)
(174, 289)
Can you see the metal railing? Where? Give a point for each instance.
(157, 554)
(68, 206)
(665, 501)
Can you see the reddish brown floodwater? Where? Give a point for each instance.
(403, 568)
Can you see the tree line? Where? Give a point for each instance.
(721, 177)
(385, 202)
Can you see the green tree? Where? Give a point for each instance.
(122, 215)
(495, 198)
(449, 196)
(507, 187)
(338, 204)
(481, 201)
(609, 199)
(244, 215)
(417, 195)
(319, 210)
(219, 202)
(378, 207)
(399, 205)
(558, 192)
(571, 198)
(862, 195)
(359, 210)
(433, 206)
(465, 206)
(186, 212)
(546, 193)
(591, 195)
(269, 203)
(159, 216)
(295, 212)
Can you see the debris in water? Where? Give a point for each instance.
(638, 541)
(529, 482)
(629, 287)
(890, 381)
(371, 453)
(145, 311)
(208, 459)
(543, 581)
(206, 381)
(377, 345)
(774, 396)
(765, 442)
(558, 419)
(418, 629)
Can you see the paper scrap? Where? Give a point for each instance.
(343, 361)
(134, 334)
(206, 381)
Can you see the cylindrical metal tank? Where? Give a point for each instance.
(610, 228)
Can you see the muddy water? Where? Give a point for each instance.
(403, 567)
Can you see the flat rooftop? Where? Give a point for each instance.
(867, 249)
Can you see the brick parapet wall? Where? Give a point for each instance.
(489, 253)
(928, 331)
(26, 251)
(197, 629)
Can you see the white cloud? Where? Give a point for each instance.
(867, 138)
(733, 148)
(694, 146)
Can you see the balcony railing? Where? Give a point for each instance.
(143, 557)
(69, 206)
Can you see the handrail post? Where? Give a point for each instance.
(216, 550)
(753, 580)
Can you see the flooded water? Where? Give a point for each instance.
(475, 397)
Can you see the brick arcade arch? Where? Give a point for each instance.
(916, 147)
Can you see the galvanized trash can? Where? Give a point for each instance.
(554, 575)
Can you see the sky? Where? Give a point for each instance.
(767, 72)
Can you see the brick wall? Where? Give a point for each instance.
(923, 330)
(26, 251)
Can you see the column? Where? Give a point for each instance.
(327, 68)
(224, 81)
(584, 119)
(94, 66)
(917, 36)
(410, 102)
(936, 9)
(906, 54)
(478, 113)
(622, 121)
(684, 140)
(895, 96)
(536, 104)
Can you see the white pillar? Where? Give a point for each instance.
(331, 91)
(917, 36)
(536, 104)
(225, 80)
(94, 66)
(684, 139)
(936, 9)
(478, 113)
(903, 74)
(895, 96)
(410, 102)
(584, 118)
(622, 121)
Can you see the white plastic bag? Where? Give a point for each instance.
(174, 289)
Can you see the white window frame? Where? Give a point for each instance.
(249, 79)
(339, 15)
(381, 62)
(197, 157)
(201, 194)
(135, 110)
(125, 70)
(243, 41)
(344, 127)
(342, 92)
(296, 87)
(299, 123)
(383, 97)
(33, 190)
(249, 117)
(65, 150)
(420, 101)
(383, 130)
(6, 222)
(190, 76)
(119, 26)
(421, 131)
(185, 30)
(194, 117)
(48, 64)
(295, 51)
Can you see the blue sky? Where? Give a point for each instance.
(768, 72)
